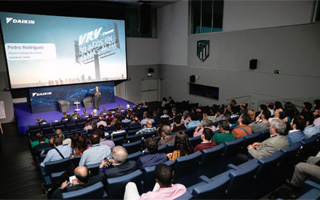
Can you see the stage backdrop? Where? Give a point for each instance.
(45, 99)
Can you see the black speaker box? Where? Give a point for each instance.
(253, 64)
(145, 19)
(192, 78)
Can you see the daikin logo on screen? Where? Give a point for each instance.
(44, 50)
(20, 21)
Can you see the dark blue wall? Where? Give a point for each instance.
(45, 99)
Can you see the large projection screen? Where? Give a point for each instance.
(46, 50)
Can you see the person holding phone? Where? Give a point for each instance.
(79, 181)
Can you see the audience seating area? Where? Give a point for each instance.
(207, 175)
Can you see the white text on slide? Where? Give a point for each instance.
(30, 51)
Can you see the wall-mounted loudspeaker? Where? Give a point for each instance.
(192, 78)
(253, 64)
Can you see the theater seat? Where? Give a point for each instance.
(186, 169)
(211, 161)
(133, 147)
(116, 186)
(63, 105)
(95, 191)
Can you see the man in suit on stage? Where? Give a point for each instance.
(96, 97)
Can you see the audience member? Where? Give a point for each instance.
(103, 140)
(177, 125)
(243, 129)
(302, 172)
(310, 128)
(163, 189)
(278, 114)
(88, 126)
(118, 166)
(224, 135)
(207, 115)
(96, 153)
(261, 122)
(127, 119)
(109, 115)
(104, 111)
(166, 137)
(164, 101)
(165, 114)
(82, 181)
(207, 124)
(151, 157)
(277, 105)
(101, 122)
(65, 140)
(58, 152)
(74, 140)
(219, 115)
(171, 102)
(64, 117)
(146, 117)
(148, 128)
(41, 121)
(270, 107)
(243, 108)
(316, 114)
(306, 107)
(252, 114)
(40, 140)
(181, 147)
(193, 121)
(296, 134)
(277, 141)
(118, 130)
(81, 145)
(206, 136)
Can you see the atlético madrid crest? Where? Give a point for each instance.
(203, 49)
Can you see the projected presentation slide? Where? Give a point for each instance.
(46, 50)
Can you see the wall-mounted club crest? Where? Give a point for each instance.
(203, 49)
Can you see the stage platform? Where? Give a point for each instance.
(24, 117)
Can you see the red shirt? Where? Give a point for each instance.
(206, 145)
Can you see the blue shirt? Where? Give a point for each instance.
(53, 154)
(193, 124)
(311, 130)
(94, 155)
(295, 137)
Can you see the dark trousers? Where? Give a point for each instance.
(96, 102)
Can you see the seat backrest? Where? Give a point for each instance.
(186, 169)
(133, 131)
(241, 181)
(94, 169)
(314, 193)
(195, 140)
(95, 191)
(233, 148)
(57, 166)
(169, 148)
(210, 160)
(133, 138)
(118, 141)
(308, 146)
(134, 156)
(81, 124)
(132, 147)
(288, 159)
(149, 176)
(265, 134)
(189, 132)
(33, 126)
(250, 139)
(217, 189)
(150, 134)
(116, 186)
(76, 160)
(162, 149)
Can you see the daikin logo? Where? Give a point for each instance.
(20, 21)
(41, 94)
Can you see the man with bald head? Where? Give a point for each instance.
(82, 181)
(148, 128)
(118, 165)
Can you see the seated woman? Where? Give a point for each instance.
(81, 145)
(181, 147)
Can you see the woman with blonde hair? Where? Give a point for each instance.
(252, 114)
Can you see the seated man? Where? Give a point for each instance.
(118, 130)
(41, 121)
(101, 122)
(40, 140)
(64, 117)
(268, 147)
(193, 121)
(310, 128)
(262, 122)
(243, 129)
(152, 157)
(207, 124)
(206, 115)
(118, 166)
(166, 137)
(59, 151)
(224, 135)
(164, 189)
(206, 136)
(96, 153)
(148, 128)
(296, 134)
(82, 181)
(303, 171)
(103, 140)
(177, 125)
